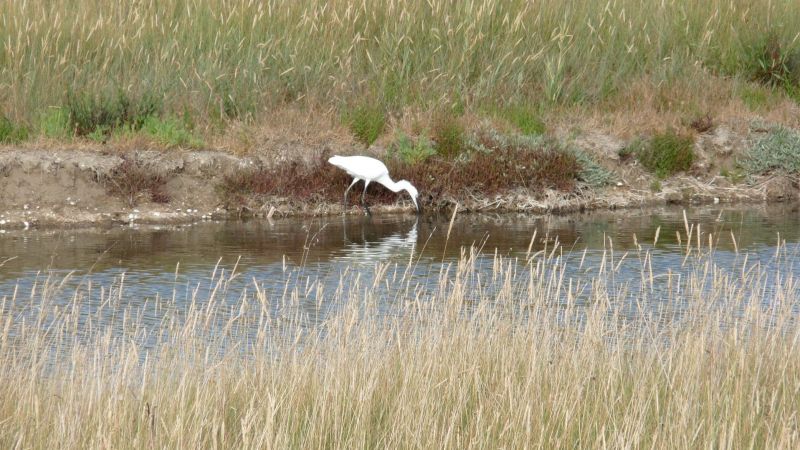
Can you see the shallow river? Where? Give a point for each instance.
(175, 262)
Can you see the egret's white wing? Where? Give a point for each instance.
(362, 167)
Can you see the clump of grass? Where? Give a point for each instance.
(10, 133)
(655, 185)
(97, 115)
(735, 175)
(133, 181)
(232, 103)
(525, 120)
(366, 122)
(774, 63)
(448, 135)
(667, 153)
(54, 123)
(756, 97)
(171, 132)
(778, 150)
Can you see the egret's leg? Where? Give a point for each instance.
(347, 191)
(363, 202)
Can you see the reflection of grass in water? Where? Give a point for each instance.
(526, 360)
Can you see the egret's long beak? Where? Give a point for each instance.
(419, 208)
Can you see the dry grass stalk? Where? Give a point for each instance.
(521, 358)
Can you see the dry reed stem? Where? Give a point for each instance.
(518, 357)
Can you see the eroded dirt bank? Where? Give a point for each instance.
(47, 188)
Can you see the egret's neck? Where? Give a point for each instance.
(390, 184)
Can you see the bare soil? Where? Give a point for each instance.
(75, 187)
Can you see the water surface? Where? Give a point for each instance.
(174, 262)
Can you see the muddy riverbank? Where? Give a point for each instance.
(101, 186)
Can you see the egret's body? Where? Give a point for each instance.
(368, 170)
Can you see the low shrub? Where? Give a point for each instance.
(293, 180)
(667, 153)
(132, 180)
(591, 172)
(412, 151)
(498, 164)
(777, 150)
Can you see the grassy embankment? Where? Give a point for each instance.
(529, 359)
(418, 77)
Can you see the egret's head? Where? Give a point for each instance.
(412, 191)
(336, 160)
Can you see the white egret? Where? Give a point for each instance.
(370, 169)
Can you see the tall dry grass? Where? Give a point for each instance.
(235, 58)
(520, 356)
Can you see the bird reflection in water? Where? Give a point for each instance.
(372, 247)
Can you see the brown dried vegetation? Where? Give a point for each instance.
(500, 166)
(133, 180)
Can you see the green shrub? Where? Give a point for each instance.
(667, 153)
(591, 172)
(410, 151)
(11, 133)
(779, 149)
(366, 123)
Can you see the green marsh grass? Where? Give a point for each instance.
(10, 132)
(529, 359)
(238, 59)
